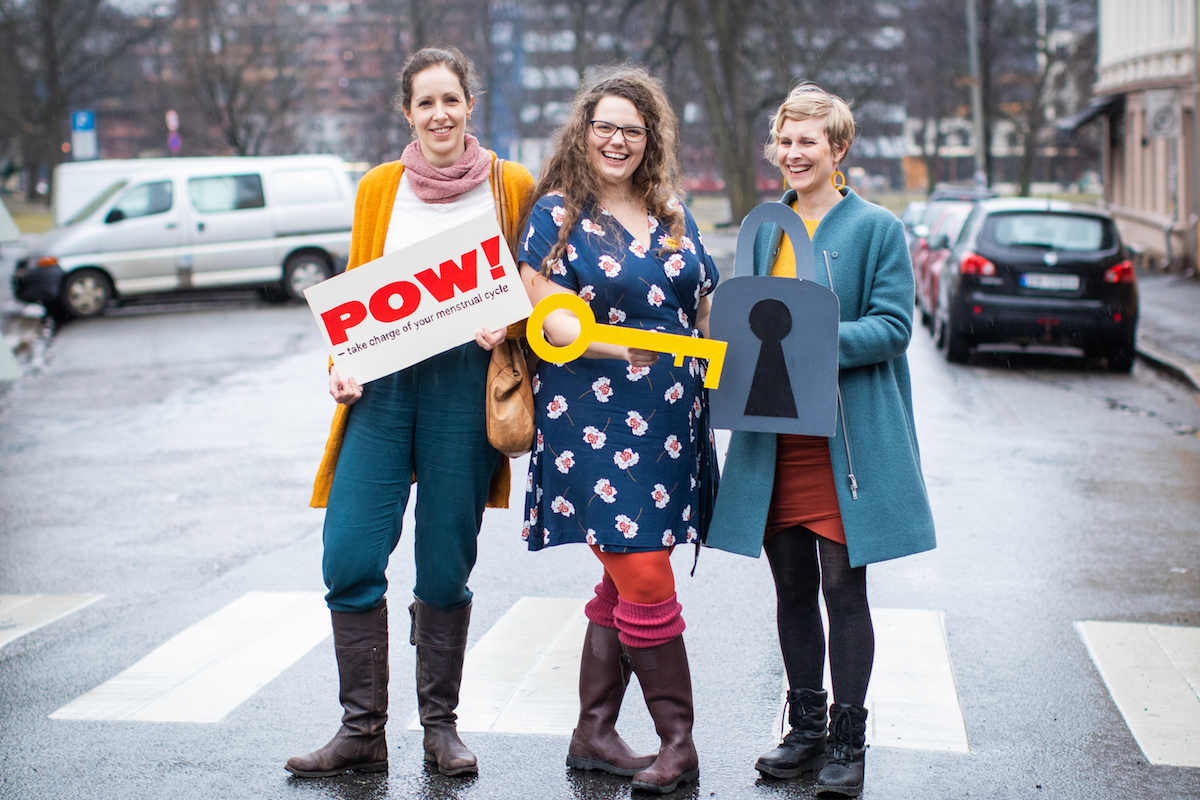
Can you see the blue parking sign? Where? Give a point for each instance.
(83, 120)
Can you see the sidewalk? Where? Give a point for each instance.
(1169, 324)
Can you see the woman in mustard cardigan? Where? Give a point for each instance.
(426, 421)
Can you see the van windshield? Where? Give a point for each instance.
(97, 201)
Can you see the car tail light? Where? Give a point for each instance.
(1121, 273)
(973, 264)
(47, 261)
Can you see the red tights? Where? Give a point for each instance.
(641, 577)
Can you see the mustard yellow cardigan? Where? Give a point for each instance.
(372, 213)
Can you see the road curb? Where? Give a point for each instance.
(1181, 368)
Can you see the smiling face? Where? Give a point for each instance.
(615, 158)
(438, 112)
(807, 159)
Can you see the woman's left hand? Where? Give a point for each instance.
(488, 339)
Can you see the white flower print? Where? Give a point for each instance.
(611, 267)
(673, 447)
(693, 367)
(538, 495)
(660, 495)
(696, 406)
(605, 490)
(555, 193)
(695, 483)
(572, 253)
(668, 242)
(556, 407)
(652, 222)
(525, 531)
(594, 436)
(615, 315)
(626, 458)
(591, 536)
(674, 265)
(637, 423)
(674, 394)
(626, 526)
(687, 512)
(655, 296)
(533, 516)
(692, 535)
(528, 236)
(696, 294)
(602, 388)
(565, 461)
(562, 505)
(688, 245)
(529, 482)
(591, 227)
(537, 383)
(673, 203)
(588, 293)
(668, 539)
(558, 214)
(637, 249)
(541, 442)
(636, 373)
(558, 267)
(683, 319)
(605, 211)
(545, 537)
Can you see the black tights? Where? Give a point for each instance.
(802, 564)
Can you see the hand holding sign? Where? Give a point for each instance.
(592, 331)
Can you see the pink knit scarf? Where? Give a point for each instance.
(446, 184)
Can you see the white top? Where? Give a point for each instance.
(413, 219)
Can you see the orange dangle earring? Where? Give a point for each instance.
(834, 180)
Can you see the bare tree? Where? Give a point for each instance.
(51, 50)
(245, 71)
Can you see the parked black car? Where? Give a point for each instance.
(1037, 271)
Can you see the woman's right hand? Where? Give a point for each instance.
(640, 358)
(345, 391)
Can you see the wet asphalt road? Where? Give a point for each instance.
(162, 457)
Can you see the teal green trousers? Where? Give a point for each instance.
(426, 420)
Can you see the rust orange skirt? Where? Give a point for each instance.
(804, 490)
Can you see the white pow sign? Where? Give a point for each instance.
(410, 305)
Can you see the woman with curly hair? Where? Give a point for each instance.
(623, 459)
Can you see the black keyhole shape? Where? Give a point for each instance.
(771, 388)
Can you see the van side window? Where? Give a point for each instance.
(147, 199)
(226, 193)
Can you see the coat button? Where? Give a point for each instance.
(834, 254)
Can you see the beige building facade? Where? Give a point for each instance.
(1146, 95)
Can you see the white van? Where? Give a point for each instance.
(281, 222)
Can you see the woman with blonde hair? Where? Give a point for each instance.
(827, 507)
(624, 457)
(425, 422)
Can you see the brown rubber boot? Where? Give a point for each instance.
(667, 686)
(361, 644)
(441, 639)
(603, 676)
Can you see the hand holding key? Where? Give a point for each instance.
(591, 331)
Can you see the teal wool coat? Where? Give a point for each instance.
(885, 509)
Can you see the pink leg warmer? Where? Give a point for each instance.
(643, 625)
(600, 608)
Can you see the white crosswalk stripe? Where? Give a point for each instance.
(22, 613)
(211, 668)
(1153, 675)
(522, 676)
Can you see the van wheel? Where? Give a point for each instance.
(302, 271)
(85, 293)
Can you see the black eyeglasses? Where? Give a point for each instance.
(631, 133)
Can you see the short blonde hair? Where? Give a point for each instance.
(810, 101)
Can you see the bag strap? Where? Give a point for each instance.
(501, 199)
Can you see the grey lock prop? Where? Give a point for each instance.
(809, 348)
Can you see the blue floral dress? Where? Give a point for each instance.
(623, 457)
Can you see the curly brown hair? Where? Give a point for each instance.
(657, 181)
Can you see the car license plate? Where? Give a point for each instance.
(1057, 283)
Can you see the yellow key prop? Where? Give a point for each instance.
(592, 331)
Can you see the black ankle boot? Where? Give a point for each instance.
(845, 761)
(803, 748)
